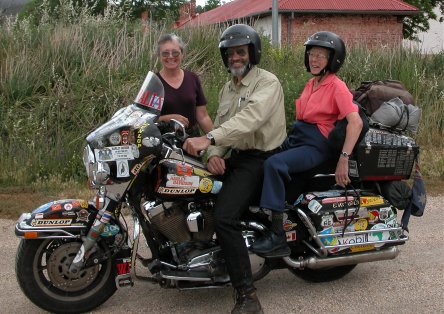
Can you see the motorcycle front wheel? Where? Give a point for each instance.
(42, 273)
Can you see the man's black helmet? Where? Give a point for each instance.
(238, 35)
(332, 42)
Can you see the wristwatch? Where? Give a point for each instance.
(345, 154)
(211, 138)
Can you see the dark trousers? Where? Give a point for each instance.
(304, 149)
(242, 184)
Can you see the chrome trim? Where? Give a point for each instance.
(67, 235)
(356, 258)
(312, 230)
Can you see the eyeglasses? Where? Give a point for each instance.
(167, 53)
(316, 55)
(241, 52)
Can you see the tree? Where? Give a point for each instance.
(158, 9)
(37, 8)
(420, 23)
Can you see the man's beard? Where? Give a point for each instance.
(239, 72)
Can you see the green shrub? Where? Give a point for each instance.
(60, 80)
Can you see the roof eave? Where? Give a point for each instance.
(373, 12)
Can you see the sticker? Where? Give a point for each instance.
(371, 200)
(379, 236)
(291, 235)
(184, 169)
(136, 169)
(299, 199)
(125, 137)
(122, 168)
(314, 206)
(205, 185)
(361, 224)
(354, 202)
(176, 191)
(384, 213)
(309, 197)
(135, 150)
(361, 248)
(51, 222)
(340, 213)
(150, 141)
(217, 185)
(82, 215)
(327, 220)
(175, 181)
(38, 216)
(289, 225)
(67, 206)
(373, 216)
(329, 241)
(75, 203)
(124, 267)
(115, 138)
(201, 172)
(332, 200)
(70, 213)
(327, 194)
(114, 153)
(83, 204)
(56, 206)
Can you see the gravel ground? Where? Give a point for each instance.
(412, 283)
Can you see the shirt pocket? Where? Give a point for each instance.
(222, 111)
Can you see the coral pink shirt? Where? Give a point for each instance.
(330, 101)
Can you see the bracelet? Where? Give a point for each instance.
(345, 154)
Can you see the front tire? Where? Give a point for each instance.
(42, 273)
(322, 275)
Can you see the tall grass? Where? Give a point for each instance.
(59, 81)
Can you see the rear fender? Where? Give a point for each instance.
(68, 218)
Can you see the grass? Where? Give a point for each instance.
(61, 79)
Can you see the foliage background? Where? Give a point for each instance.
(60, 79)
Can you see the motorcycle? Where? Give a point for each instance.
(74, 254)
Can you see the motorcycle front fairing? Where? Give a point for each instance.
(68, 218)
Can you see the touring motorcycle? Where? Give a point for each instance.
(74, 254)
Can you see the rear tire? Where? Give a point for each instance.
(322, 275)
(41, 269)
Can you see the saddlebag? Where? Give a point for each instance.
(348, 223)
(385, 156)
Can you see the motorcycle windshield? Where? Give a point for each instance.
(145, 108)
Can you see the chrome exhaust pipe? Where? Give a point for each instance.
(325, 262)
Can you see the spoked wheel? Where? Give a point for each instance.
(42, 269)
(323, 275)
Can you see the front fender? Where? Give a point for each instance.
(68, 218)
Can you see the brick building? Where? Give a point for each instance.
(371, 23)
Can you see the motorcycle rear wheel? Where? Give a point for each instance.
(41, 270)
(322, 275)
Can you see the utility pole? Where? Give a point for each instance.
(274, 23)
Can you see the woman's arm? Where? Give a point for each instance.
(354, 127)
(204, 119)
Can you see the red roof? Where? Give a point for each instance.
(250, 8)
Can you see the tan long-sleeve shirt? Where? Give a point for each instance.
(251, 115)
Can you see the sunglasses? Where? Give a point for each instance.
(241, 52)
(167, 53)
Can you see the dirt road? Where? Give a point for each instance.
(412, 283)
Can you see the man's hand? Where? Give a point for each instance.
(216, 165)
(195, 145)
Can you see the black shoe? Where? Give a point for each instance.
(271, 245)
(246, 303)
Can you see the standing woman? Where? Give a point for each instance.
(184, 97)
